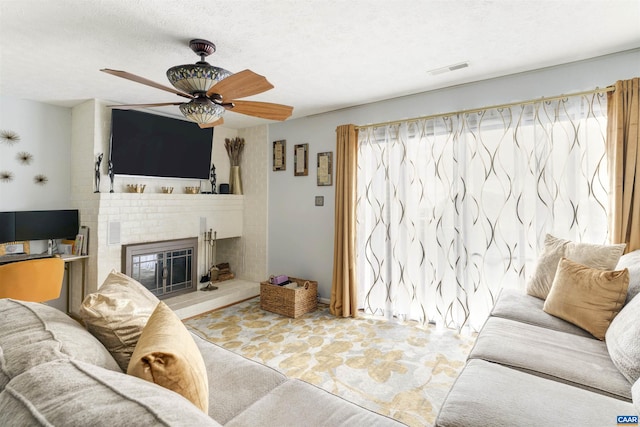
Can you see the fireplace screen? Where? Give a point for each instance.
(165, 268)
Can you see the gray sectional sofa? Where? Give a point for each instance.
(529, 368)
(54, 372)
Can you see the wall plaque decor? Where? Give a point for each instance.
(6, 176)
(9, 137)
(24, 157)
(325, 168)
(279, 155)
(301, 159)
(40, 179)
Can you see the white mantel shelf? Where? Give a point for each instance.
(198, 198)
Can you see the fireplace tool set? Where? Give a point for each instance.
(210, 259)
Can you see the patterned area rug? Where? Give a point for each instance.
(400, 370)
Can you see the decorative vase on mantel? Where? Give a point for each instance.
(234, 149)
(235, 180)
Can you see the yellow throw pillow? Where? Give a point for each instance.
(167, 355)
(587, 297)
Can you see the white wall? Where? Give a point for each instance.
(255, 174)
(45, 132)
(300, 241)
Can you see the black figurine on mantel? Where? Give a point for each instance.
(97, 172)
(111, 175)
(212, 178)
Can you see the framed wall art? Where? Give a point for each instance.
(325, 169)
(279, 155)
(14, 248)
(301, 159)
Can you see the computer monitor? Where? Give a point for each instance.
(7, 227)
(43, 225)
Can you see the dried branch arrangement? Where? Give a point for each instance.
(234, 150)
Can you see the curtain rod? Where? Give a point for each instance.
(475, 110)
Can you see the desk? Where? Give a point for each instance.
(67, 260)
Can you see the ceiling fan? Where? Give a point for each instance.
(211, 90)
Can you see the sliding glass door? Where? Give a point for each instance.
(452, 209)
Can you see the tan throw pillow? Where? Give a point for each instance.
(167, 355)
(117, 313)
(587, 297)
(602, 257)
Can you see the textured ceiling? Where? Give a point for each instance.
(321, 55)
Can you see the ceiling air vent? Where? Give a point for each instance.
(448, 68)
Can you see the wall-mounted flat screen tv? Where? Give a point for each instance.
(152, 145)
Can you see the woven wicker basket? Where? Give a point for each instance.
(292, 300)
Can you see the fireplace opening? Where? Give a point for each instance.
(166, 268)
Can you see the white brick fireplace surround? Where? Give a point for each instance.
(121, 218)
(127, 218)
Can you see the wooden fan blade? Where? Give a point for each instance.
(239, 85)
(138, 79)
(130, 106)
(265, 110)
(212, 124)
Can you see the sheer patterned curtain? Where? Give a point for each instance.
(452, 209)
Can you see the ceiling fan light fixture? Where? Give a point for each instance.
(202, 110)
(211, 90)
(194, 78)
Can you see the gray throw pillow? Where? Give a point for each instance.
(623, 340)
(635, 395)
(631, 262)
(602, 257)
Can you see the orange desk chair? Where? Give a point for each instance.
(36, 280)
